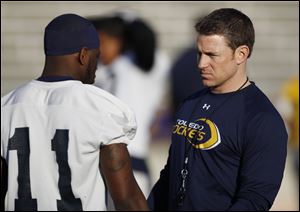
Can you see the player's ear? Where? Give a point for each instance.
(83, 56)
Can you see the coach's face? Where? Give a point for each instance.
(216, 63)
(92, 66)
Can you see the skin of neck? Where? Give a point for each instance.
(64, 65)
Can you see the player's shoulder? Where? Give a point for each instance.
(14, 95)
(103, 100)
(100, 95)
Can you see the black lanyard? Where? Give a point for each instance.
(184, 172)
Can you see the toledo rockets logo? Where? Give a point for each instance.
(202, 134)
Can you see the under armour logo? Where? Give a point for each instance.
(206, 106)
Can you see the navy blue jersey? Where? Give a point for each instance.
(236, 144)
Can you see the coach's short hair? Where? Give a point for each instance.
(235, 26)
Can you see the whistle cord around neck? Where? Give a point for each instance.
(234, 93)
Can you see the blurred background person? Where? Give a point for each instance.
(288, 106)
(111, 30)
(287, 103)
(133, 69)
(185, 78)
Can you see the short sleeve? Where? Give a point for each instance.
(119, 125)
(113, 120)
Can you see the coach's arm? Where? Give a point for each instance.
(262, 165)
(115, 165)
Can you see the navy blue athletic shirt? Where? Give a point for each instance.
(236, 145)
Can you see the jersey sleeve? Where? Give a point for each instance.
(119, 128)
(115, 121)
(119, 122)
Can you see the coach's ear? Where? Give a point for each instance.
(83, 56)
(241, 54)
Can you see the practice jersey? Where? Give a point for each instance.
(51, 133)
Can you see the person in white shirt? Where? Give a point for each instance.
(64, 141)
(133, 69)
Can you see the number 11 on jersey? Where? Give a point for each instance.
(60, 143)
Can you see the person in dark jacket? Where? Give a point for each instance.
(229, 143)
